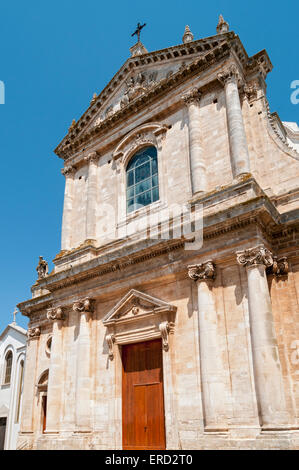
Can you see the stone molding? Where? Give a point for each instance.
(230, 74)
(55, 314)
(258, 255)
(192, 96)
(151, 133)
(202, 272)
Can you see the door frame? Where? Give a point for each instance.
(139, 317)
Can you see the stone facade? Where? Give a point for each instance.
(226, 309)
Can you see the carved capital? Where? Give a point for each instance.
(92, 157)
(280, 266)
(230, 74)
(110, 341)
(192, 96)
(84, 305)
(255, 256)
(250, 91)
(33, 332)
(202, 272)
(68, 170)
(55, 314)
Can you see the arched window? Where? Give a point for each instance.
(20, 386)
(142, 179)
(8, 367)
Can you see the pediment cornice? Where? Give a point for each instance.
(201, 54)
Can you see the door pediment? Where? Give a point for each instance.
(139, 317)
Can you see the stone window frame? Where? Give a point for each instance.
(149, 134)
(5, 382)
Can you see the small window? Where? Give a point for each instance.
(142, 179)
(8, 368)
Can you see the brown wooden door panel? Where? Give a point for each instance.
(142, 396)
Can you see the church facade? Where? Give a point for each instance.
(170, 320)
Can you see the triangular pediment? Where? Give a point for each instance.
(138, 77)
(135, 305)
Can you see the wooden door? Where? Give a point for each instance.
(142, 396)
(44, 411)
(2, 432)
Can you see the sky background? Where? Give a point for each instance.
(54, 56)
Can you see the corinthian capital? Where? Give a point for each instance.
(68, 170)
(92, 157)
(254, 256)
(33, 332)
(84, 305)
(192, 96)
(55, 314)
(231, 73)
(202, 272)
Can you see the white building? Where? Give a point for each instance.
(12, 361)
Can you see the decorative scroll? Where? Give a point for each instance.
(254, 256)
(33, 332)
(110, 341)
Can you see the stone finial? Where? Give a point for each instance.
(202, 272)
(55, 314)
(94, 98)
(222, 26)
(42, 268)
(254, 256)
(192, 96)
(14, 316)
(188, 36)
(72, 125)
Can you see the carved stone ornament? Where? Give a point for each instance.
(84, 305)
(192, 96)
(222, 26)
(55, 314)
(254, 256)
(202, 272)
(164, 327)
(138, 85)
(92, 157)
(68, 170)
(42, 268)
(280, 266)
(250, 91)
(188, 36)
(110, 341)
(33, 332)
(231, 73)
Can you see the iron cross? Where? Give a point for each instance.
(138, 29)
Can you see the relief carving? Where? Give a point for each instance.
(42, 268)
(55, 314)
(84, 305)
(33, 332)
(254, 256)
(202, 272)
(230, 74)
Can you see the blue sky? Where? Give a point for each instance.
(54, 56)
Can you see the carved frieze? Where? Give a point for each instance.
(202, 272)
(254, 256)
